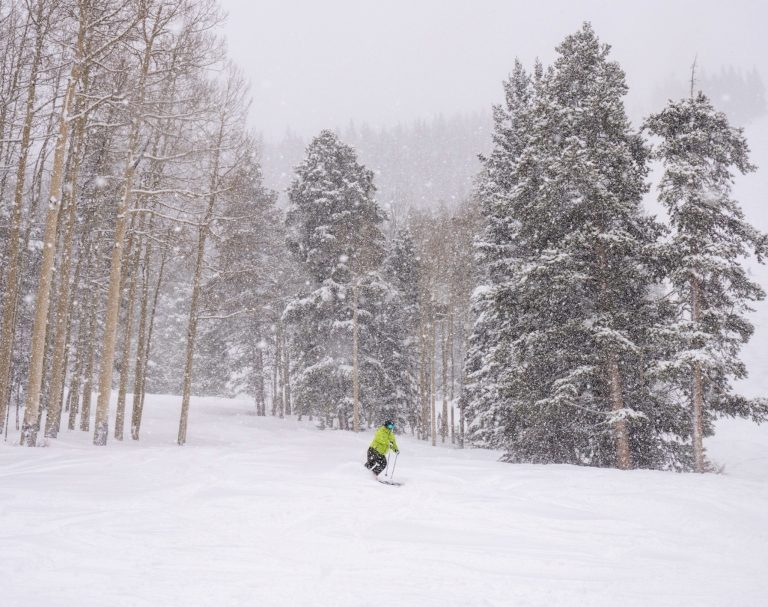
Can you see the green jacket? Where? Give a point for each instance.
(383, 440)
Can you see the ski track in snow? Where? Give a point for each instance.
(269, 512)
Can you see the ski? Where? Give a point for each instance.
(386, 482)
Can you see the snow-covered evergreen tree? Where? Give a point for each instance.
(334, 232)
(559, 353)
(246, 292)
(398, 341)
(490, 356)
(700, 151)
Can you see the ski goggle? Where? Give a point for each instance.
(391, 426)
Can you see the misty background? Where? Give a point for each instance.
(411, 86)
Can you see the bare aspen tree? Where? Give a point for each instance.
(227, 141)
(433, 374)
(444, 368)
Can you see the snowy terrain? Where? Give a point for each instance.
(262, 511)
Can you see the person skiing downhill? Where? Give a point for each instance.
(377, 452)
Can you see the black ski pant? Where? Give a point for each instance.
(376, 461)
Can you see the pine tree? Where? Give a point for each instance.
(700, 151)
(245, 295)
(333, 231)
(399, 320)
(489, 353)
(563, 326)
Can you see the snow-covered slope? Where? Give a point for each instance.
(270, 512)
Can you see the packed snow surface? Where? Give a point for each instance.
(262, 511)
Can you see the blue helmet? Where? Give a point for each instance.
(389, 424)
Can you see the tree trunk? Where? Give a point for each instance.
(355, 369)
(444, 417)
(433, 380)
(615, 388)
(85, 413)
(137, 412)
(125, 365)
(623, 456)
(192, 334)
(286, 374)
(698, 391)
(138, 375)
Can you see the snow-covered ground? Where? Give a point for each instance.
(261, 511)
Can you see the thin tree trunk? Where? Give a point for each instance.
(275, 368)
(698, 391)
(73, 398)
(433, 381)
(259, 376)
(444, 418)
(125, 365)
(138, 376)
(623, 457)
(85, 414)
(422, 381)
(615, 388)
(137, 413)
(355, 370)
(286, 374)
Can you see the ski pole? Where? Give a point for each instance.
(394, 464)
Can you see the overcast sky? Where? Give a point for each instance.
(323, 63)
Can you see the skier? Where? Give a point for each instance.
(377, 452)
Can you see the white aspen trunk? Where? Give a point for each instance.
(137, 413)
(275, 368)
(191, 335)
(125, 365)
(287, 374)
(444, 418)
(138, 378)
(433, 381)
(279, 369)
(42, 302)
(85, 413)
(423, 393)
(286, 391)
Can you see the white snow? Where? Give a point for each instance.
(268, 512)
